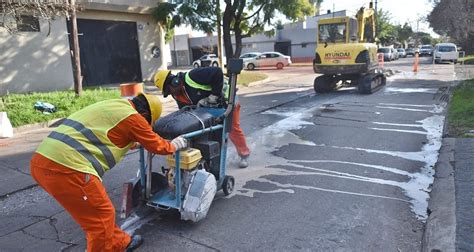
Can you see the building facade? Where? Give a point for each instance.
(119, 43)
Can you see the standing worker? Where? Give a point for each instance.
(203, 86)
(70, 162)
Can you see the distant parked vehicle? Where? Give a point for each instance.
(445, 52)
(249, 55)
(268, 59)
(207, 60)
(394, 53)
(410, 51)
(401, 53)
(387, 53)
(426, 50)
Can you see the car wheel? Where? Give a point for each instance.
(279, 65)
(250, 66)
(196, 65)
(215, 64)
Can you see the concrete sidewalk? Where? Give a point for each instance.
(450, 226)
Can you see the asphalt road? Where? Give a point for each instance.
(328, 172)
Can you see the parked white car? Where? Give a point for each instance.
(268, 59)
(207, 60)
(445, 52)
(249, 55)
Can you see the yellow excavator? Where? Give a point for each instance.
(346, 53)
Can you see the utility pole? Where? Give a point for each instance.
(76, 61)
(219, 33)
(376, 23)
(174, 51)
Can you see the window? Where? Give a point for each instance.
(332, 33)
(27, 24)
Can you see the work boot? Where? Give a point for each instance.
(136, 242)
(244, 162)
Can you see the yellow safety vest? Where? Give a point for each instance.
(81, 141)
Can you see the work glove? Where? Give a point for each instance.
(179, 143)
(210, 101)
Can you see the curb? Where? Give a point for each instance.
(36, 126)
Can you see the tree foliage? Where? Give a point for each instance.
(13, 11)
(454, 18)
(404, 32)
(387, 32)
(240, 18)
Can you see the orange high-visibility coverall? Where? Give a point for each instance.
(236, 134)
(84, 196)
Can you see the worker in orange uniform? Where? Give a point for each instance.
(70, 162)
(203, 85)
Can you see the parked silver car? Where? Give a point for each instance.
(401, 53)
(268, 59)
(388, 53)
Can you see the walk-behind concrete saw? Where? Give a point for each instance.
(191, 177)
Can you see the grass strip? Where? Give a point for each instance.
(247, 77)
(20, 107)
(461, 110)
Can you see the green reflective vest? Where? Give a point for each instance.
(81, 141)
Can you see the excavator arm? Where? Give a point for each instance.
(364, 17)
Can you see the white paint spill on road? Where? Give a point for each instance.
(407, 105)
(401, 131)
(271, 138)
(378, 167)
(398, 124)
(392, 90)
(134, 222)
(405, 109)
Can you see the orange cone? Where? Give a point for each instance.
(415, 64)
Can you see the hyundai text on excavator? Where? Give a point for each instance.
(346, 53)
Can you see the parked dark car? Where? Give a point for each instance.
(426, 50)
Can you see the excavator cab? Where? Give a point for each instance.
(338, 30)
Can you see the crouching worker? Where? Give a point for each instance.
(203, 86)
(70, 162)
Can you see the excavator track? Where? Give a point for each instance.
(371, 82)
(325, 83)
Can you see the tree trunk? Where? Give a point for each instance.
(226, 21)
(219, 33)
(76, 61)
(238, 40)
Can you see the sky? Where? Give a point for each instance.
(401, 11)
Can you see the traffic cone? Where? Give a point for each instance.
(415, 64)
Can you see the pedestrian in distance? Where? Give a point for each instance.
(204, 86)
(71, 160)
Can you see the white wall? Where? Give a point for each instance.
(34, 61)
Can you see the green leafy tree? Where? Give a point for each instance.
(454, 18)
(240, 19)
(404, 32)
(387, 31)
